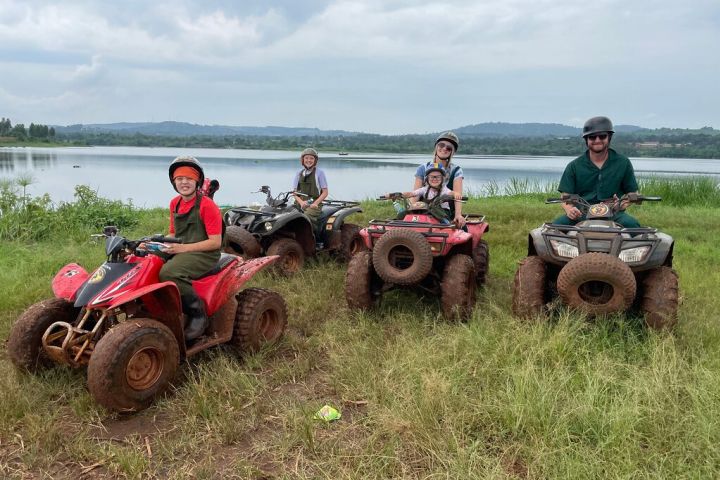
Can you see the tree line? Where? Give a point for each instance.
(674, 144)
(35, 131)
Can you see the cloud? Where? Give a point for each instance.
(372, 65)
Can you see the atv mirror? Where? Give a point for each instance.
(110, 231)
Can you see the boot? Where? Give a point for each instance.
(197, 320)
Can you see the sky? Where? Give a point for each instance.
(388, 67)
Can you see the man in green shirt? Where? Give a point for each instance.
(598, 174)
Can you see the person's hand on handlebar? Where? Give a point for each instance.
(572, 212)
(625, 201)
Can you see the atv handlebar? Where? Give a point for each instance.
(442, 198)
(162, 239)
(614, 203)
(392, 196)
(279, 201)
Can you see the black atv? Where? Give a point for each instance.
(281, 228)
(598, 266)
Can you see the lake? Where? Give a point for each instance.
(140, 173)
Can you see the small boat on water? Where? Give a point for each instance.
(343, 153)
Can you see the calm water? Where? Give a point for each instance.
(140, 173)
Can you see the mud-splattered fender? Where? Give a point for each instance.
(68, 281)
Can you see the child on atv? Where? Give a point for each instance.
(311, 182)
(197, 221)
(433, 187)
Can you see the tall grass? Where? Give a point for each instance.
(684, 190)
(515, 186)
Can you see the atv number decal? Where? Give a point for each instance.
(415, 218)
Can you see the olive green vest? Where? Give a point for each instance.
(189, 226)
(307, 184)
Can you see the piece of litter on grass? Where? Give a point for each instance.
(327, 413)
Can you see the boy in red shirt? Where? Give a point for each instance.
(196, 220)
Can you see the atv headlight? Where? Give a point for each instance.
(636, 254)
(563, 249)
(268, 226)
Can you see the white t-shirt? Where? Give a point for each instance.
(427, 193)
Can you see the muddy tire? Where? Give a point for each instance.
(24, 345)
(260, 319)
(238, 241)
(529, 289)
(133, 364)
(597, 284)
(359, 280)
(481, 259)
(458, 288)
(402, 256)
(292, 256)
(660, 298)
(350, 241)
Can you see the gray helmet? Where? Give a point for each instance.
(309, 151)
(186, 161)
(449, 137)
(597, 125)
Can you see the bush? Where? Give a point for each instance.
(94, 212)
(26, 218)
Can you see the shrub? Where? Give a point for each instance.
(26, 218)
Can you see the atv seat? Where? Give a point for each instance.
(225, 259)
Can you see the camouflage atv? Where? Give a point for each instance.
(599, 267)
(280, 228)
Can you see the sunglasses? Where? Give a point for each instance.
(435, 177)
(445, 146)
(601, 136)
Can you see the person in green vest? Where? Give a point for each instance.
(598, 174)
(197, 221)
(445, 147)
(311, 182)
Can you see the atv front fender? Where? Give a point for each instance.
(300, 228)
(286, 218)
(537, 245)
(162, 300)
(68, 281)
(366, 238)
(477, 231)
(337, 219)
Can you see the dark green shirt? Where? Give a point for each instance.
(616, 177)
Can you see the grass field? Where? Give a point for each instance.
(420, 398)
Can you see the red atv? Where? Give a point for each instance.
(422, 252)
(127, 326)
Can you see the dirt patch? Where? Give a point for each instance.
(515, 466)
(124, 427)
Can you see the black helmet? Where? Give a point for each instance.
(186, 161)
(449, 137)
(597, 125)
